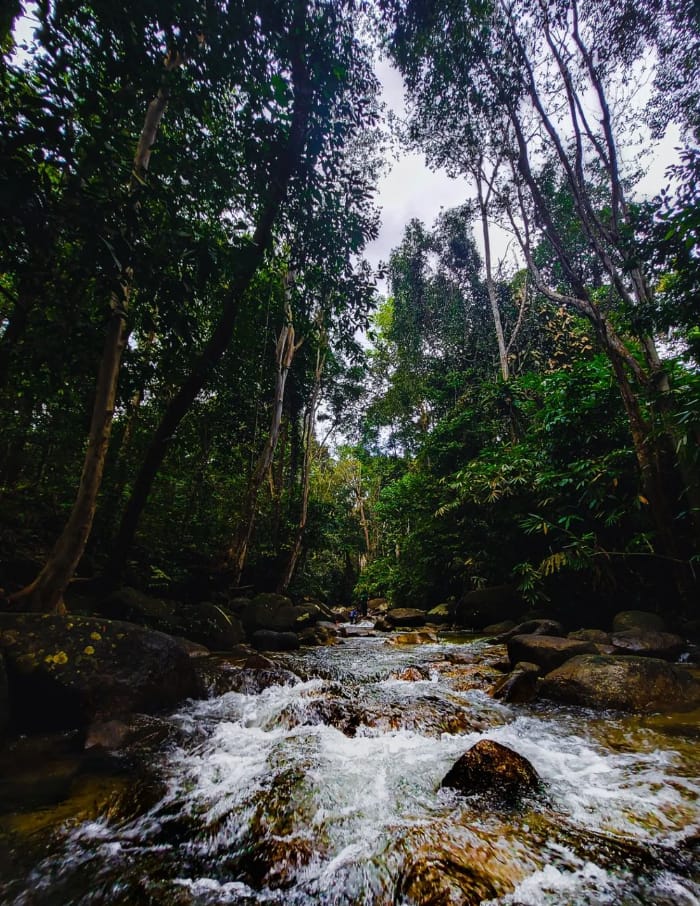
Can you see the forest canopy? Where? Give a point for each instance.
(202, 375)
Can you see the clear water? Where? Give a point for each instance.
(328, 792)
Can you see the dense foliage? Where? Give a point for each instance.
(199, 378)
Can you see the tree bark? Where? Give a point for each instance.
(284, 356)
(45, 593)
(223, 332)
(309, 421)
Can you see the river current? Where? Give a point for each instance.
(327, 791)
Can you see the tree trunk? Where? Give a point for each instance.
(310, 419)
(490, 284)
(219, 341)
(284, 355)
(45, 593)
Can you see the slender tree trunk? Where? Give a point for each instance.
(309, 421)
(219, 341)
(490, 284)
(284, 355)
(45, 593)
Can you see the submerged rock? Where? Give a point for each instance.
(638, 619)
(423, 637)
(546, 651)
(491, 768)
(66, 672)
(405, 616)
(649, 643)
(625, 683)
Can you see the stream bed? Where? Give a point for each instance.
(327, 791)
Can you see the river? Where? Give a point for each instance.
(327, 791)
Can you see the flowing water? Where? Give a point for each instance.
(328, 791)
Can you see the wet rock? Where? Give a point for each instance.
(499, 628)
(534, 627)
(358, 632)
(624, 683)
(253, 682)
(259, 662)
(638, 619)
(438, 880)
(546, 651)
(268, 640)
(340, 614)
(382, 625)
(193, 649)
(320, 634)
(590, 635)
(141, 732)
(519, 686)
(493, 769)
(488, 605)
(425, 637)
(649, 643)
(238, 604)
(410, 675)
(405, 616)
(251, 676)
(66, 672)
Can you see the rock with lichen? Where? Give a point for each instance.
(65, 672)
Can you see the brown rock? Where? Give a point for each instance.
(546, 651)
(519, 686)
(649, 643)
(625, 683)
(414, 638)
(533, 627)
(491, 768)
(409, 675)
(590, 635)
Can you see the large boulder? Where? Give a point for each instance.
(638, 619)
(491, 768)
(546, 651)
(478, 608)
(624, 683)
(378, 605)
(590, 635)
(278, 614)
(66, 672)
(649, 643)
(405, 616)
(533, 627)
(269, 640)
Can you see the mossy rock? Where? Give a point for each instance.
(66, 672)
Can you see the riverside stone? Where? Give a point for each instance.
(648, 643)
(638, 619)
(492, 768)
(546, 651)
(624, 683)
(405, 616)
(66, 672)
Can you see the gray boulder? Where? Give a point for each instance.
(278, 614)
(269, 640)
(519, 686)
(405, 616)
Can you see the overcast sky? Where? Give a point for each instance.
(409, 189)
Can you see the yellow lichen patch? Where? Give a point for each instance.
(69, 625)
(95, 636)
(88, 649)
(59, 658)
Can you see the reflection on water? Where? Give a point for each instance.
(327, 791)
